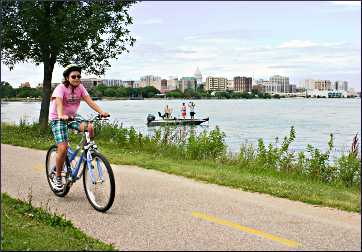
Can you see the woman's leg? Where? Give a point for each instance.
(60, 157)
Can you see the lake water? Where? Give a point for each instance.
(241, 120)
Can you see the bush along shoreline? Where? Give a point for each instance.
(308, 176)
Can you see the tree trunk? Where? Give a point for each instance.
(44, 110)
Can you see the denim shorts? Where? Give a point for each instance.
(60, 129)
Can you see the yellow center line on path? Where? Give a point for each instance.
(281, 240)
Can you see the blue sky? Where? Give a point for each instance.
(302, 40)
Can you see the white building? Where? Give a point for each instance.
(216, 84)
(327, 93)
(307, 84)
(282, 83)
(273, 87)
(172, 83)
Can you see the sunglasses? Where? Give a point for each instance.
(75, 76)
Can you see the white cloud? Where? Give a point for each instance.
(349, 3)
(307, 43)
(297, 44)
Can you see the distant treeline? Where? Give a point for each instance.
(149, 92)
(7, 91)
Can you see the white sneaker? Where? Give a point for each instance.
(57, 183)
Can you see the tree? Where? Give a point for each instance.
(6, 90)
(175, 94)
(88, 33)
(189, 93)
(149, 91)
(122, 92)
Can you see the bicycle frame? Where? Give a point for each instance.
(85, 156)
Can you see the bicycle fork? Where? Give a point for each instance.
(91, 169)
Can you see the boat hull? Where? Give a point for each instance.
(177, 122)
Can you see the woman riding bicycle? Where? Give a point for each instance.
(64, 104)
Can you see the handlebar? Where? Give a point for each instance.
(96, 117)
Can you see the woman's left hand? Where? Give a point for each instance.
(104, 114)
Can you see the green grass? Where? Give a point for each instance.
(24, 228)
(289, 185)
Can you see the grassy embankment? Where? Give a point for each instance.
(272, 169)
(27, 228)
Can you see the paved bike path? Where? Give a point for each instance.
(158, 211)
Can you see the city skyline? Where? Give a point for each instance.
(301, 40)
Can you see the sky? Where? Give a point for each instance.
(298, 39)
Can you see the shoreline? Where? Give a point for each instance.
(4, 100)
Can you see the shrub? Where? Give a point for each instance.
(317, 165)
(349, 169)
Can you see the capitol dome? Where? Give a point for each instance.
(197, 73)
(198, 76)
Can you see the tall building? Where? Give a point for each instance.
(341, 85)
(259, 87)
(90, 83)
(215, 84)
(282, 81)
(292, 88)
(267, 86)
(112, 82)
(172, 83)
(198, 77)
(230, 85)
(272, 87)
(150, 80)
(322, 85)
(25, 84)
(307, 84)
(316, 84)
(187, 83)
(242, 84)
(164, 87)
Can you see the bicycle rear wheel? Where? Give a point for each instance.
(50, 172)
(100, 193)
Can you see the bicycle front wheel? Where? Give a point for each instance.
(98, 181)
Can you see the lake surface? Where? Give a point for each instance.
(241, 120)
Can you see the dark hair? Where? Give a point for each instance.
(66, 74)
(66, 83)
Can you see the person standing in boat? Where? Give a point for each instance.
(192, 109)
(168, 112)
(183, 110)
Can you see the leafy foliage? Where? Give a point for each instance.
(6, 90)
(88, 33)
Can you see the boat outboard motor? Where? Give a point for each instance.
(150, 118)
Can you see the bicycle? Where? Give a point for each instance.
(97, 172)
